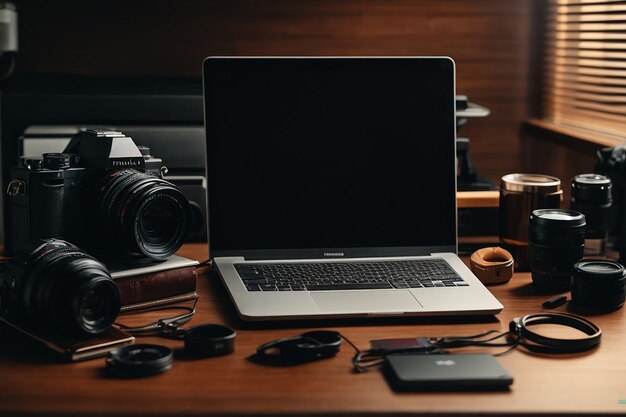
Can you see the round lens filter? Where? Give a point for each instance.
(136, 361)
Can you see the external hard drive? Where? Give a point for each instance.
(420, 372)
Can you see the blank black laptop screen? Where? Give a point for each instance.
(328, 153)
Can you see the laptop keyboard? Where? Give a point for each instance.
(423, 273)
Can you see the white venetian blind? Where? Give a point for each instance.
(586, 65)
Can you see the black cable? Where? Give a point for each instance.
(519, 334)
(374, 357)
(350, 343)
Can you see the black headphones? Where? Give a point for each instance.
(521, 334)
(307, 347)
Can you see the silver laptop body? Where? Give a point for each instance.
(343, 162)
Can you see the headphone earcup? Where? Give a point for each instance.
(328, 342)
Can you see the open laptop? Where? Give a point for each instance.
(332, 187)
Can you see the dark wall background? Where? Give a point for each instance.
(492, 41)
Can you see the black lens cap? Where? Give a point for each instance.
(137, 361)
(209, 340)
(599, 269)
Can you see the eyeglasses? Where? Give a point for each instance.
(202, 340)
(166, 327)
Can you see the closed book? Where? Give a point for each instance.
(144, 284)
(157, 285)
(158, 303)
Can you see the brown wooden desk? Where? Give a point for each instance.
(592, 383)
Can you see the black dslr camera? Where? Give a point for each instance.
(102, 194)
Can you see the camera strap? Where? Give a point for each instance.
(521, 333)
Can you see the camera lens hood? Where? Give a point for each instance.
(137, 361)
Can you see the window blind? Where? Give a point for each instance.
(585, 79)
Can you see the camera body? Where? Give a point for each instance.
(82, 194)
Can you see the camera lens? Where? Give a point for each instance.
(598, 284)
(146, 214)
(556, 239)
(591, 195)
(61, 288)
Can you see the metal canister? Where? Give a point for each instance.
(520, 194)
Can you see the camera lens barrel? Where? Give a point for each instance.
(557, 240)
(599, 284)
(592, 196)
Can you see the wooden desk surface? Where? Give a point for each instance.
(591, 383)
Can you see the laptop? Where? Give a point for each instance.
(332, 187)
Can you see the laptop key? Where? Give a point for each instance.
(253, 288)
(255, 281)
(268, 287)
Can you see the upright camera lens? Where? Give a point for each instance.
(146, 214)
(591, 195)
(598, 284)
(61, 288)
(556, 239)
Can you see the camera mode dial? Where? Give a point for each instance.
(56, 161)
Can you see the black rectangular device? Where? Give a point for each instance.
(465, 372)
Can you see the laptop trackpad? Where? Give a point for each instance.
(364, 301)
